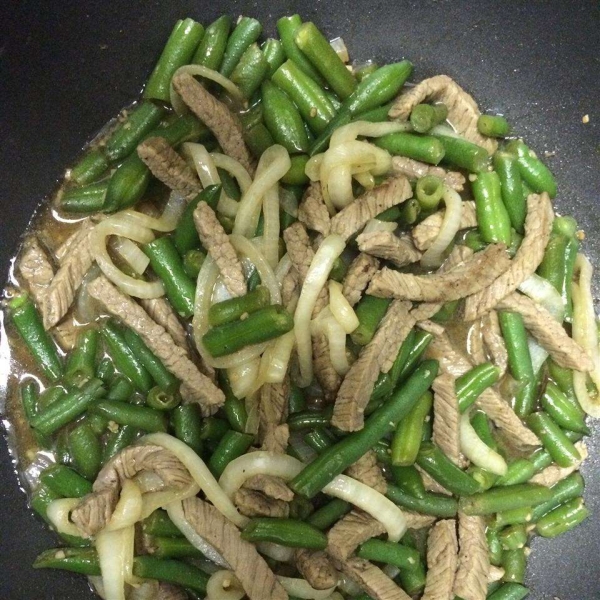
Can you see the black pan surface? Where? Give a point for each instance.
(68, 67)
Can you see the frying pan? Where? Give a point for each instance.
(68, 67)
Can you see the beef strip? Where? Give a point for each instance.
(425, 233)
(273, 406)
(464, 280)
(316, 568)
(430, 326)
(493, 340)
(418, 521)
(354, 217)
(325, 373)
(35, 268)
(256, 504)
(359, 273)
(162, 312)
(387, 245)
(289, 289)
(217, 117)
(66, 332)
(196, 387)
(94, 511)
(350, 531)
(446, 418)
(473, 559)
(377, 356)
(367, 471)
(313, 211)
(563, 349)
(167, 166)
(79, 235)
(255, 576)
(216, 241)
(463, 111)
(413, 169)
(276, 439)
(475, 343)
(442, 550)
(553, 474)
(372, 580)
(271, 486)
(431, 485)
(527, 259)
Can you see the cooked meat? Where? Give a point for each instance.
(273, 406)
(325, 373)
(387, 245)
(167, 166)
(431, 485)
(473, 559)
(216, 116)
(256, 504)
(430, 326)
(276, 439)
(493, 340)
(216, 241)
(553, 474)
(372, 580)
(359, 273)
(563, 349)
(472, 276)
(528, 257)
(95, 510)
(258, 581)
(65, 333)
(413, 169)
(354, 217)
(442, 549)
(428, 229)
(367, 471)
(61, 291)
(475, 343)
(313, 211)
(196, 387)
(79, 235)
(162, 312)
(417, 521)
(377, 356)
(351, 531)
(35, 268)
(289, 289)
(456, 364)
(463, 111)
(316, 568)
(166, 591)
(271, 486)
(446, 418)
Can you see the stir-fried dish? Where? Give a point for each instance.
(295, 327)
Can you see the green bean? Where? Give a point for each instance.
(296, 400)
(494, 546)
(429, 191)
(170, 571)
(173, 547)
(328, 514)
(28, 323)
(192, 263)
(437, 505)
(166, 263)
(505, 165)
(187, 425)
(282, 119)
(178, 51)
(553, 439)
(274, 54)
(82, 359)
(65, 482)
(493, 126)
(514, 563)
(90, 167)
(407, 437)
(141, 417)
(319, 439)
(287, 532)
(563, 491)
(75, 560)
(475, 381)
(309, 419)
(158, 524)
(262, 325)
(120, 389)
(232, 445)
(464, 154)
(325, 59)
(533, 171)
(492, 216)
(409, 212)
(375, 115)
(573, 436)
(347, 451)
(419, 147)
(234, 308)
(309, 97)
(423, 117)
(513, 537)
(61, 448)
(563, 377)
(106, 370)
(409, 480)
(96, 423)
(245, 33)
(473, 239)
(160, 399)
(422, 339)
(504, 498)
(51, 395)
(211, 50)
(516, 516)
(389, 553)
(412, 580)
(300, 508)
(213, 429)
(86, 199)
(370, 310)
(565, 410)
(86, 451)
(251, 71)
(510, 591)
(296, 174)
(234, 408)
(520, 470)
(29, 391)
(258, 139)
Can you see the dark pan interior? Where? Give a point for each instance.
(68, 67)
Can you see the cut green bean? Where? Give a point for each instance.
(409, 212)
(29, 391)
(520, 470)
(505, 165)
(513, 537)
(505, 498)
(409, 480)
(319, 439)
(213, 429)
(296, 174)
(120, 389)
(141, 417)
(192, 263)
(418, 147)
(493, 126)
(407, 437)
(424, 117)
(437, 505)
(514, 563)
(86, 199)
(251, 71)
(494, 546)
(245, 33)
(65, 482)
(187, 424)
(510, 591)
(310, 419)
(286, 532)
(274, 54)
(330, 513)
(86, 451)
(516, 516)
(370, 310)
(492, 216)
(90, 167)
(211, 50)
(564, 410)
(559, 446)
(106, 370)
(158, 524)
(160, 399)
(533, 171)
(422, 339)
(232, 445)
(76, 560)
(81, 364)
(475, 381)
(234, 408)
(566, 489)
(466, 155)
(173, 547)
(563, 519)
(258, 139)
(429, 191)
(170, 571)
(389, 553)
(232, 309)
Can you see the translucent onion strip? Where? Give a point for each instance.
(58, 514)
(336, 338)
(281, 352)
(477, 451)
(540, 290)
(340, 49)
(341, 308)
(377, 225)
(275, 551)
(165, 223)
(300, 588)
(320, 267)
(129, 508)
(115, 555)
(349, 133)
(243, 377)
(234, 168)
(365, 179)
(130, 253)
(271, 225)
(450, 225)
(224, 585)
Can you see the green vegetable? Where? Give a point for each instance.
(533, 171)
(274, 54)
(187, 424)
(513, 537)
(390, 553)
(492, 217)
(475, 381)
(423, 117)
(159, 524)
(81, 363)
(232, 445)
(77, 560)
(328, 514)
(554, 440)
(141, 417)
(86, 199)
(429, 191)
(437, 505)
(463, 154)
(174, 547)
(418, 147)
(86, 451)
(211, 50)
(505, 498)
(370, 310)
(510, 591)
(170, 571)
(409, 480)
(65, 482)
(514, 563)
(563, 409)
(159, 399)
(90, 167)
(286, 532)
(407, 438)
(251, 71)
(29, 391)
(505, 165)
(493, 126)
(232, 309)
(246, 32)
(566, 489)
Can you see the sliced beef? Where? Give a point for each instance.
(360, 272)
(354, 217)
(464, 280)
(418, 521)
(313, 211)
(66, 332)
(255, 576)
(216, 116)
(528, 257)
(442, 551)
(161, 311)
(273, 406)
(372, 580)
(425, 233)
(367, 471)
(216, 241)
(325, 373)
(35, 268)
(79, 235)
(256, 504)
(473, 559)
(553, 474)
(196, 387)
(446, 418)
(349, 532)
(316, 567)
(387, 245)
(475, 343)
(463, 111)
(430, 326)
(276, 439)
(167, 166)
(431, 485)
(289, 290)
(563, 349)
(271, 486)
(377, 356)
(493, 340)
(413, 169)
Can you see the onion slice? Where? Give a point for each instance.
(115, 555)
(58, 512)
(477, 451)
(341, 309)
(224, 585)
(300, 588)
(129, 508)
(540, 290)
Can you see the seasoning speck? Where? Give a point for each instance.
(585, 119)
